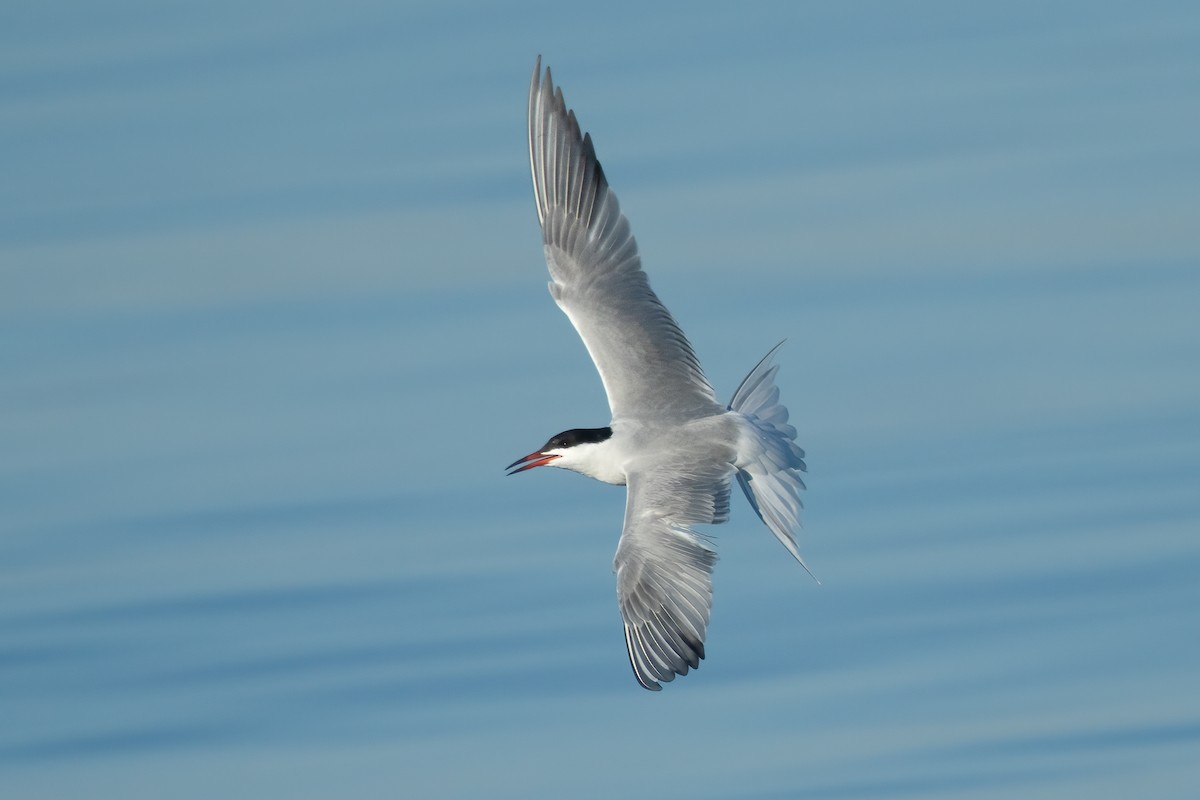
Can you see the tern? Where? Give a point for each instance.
(670, 443)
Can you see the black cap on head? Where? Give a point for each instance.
(577, 436)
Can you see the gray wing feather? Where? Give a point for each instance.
(647, 365)
(664, 570)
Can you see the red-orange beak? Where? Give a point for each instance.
(534, 459)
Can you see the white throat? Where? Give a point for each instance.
(600, 460)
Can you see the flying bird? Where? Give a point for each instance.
(670, 443)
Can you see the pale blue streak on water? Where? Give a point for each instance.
(273, 318)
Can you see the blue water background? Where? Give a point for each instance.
(273, 319)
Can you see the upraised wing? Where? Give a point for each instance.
(646, 363)
(664, 570)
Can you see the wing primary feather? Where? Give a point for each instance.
(535, 141)
(593, 180)
(640, 671)
(553, 146)
(649, 658)
(660, 657)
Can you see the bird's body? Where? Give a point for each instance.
(670, 442)
(636, 443)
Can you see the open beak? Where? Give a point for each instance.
(535, 459)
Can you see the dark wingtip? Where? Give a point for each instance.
(652, 686)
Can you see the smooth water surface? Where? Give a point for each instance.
(273, 318)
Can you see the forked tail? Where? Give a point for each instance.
(771, 462)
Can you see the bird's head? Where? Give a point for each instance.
(575, 449)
